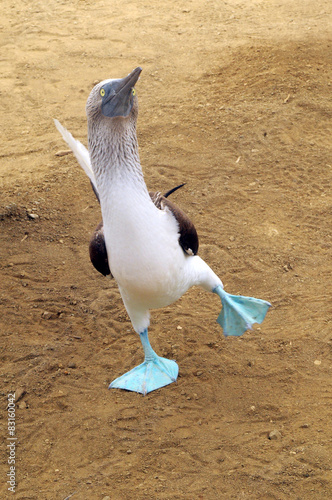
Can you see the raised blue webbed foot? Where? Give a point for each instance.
(153, 373)
(239, 313)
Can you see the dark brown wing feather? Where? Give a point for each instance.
(188, 238)
(188, 235)
(98, 253)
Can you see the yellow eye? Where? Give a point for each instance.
(102, 92)
(133, 92)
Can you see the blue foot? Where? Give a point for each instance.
(239, 313)
(153, 373)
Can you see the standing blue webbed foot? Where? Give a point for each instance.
(153, 373)
(239, 313)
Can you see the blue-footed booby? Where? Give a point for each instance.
(144, 241)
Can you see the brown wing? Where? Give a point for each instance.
(98, 253)
(188, 236)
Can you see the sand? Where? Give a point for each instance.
(235, 100)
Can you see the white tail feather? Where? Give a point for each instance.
(80, 152)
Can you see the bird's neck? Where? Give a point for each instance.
(115, 160)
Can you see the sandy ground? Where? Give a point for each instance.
(235, 100)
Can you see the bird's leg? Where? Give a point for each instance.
(153, 373)
(148, 351)
(239, 313)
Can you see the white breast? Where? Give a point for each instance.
(143, 249)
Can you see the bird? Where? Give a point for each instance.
(145, 241)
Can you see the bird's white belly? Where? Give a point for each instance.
(145, 256)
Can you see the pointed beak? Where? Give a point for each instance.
(129, 82)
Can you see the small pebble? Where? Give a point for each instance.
(317, 362)
(33, 216)
(47, 315)
(19, 393)
(274, 435)
(63, 153)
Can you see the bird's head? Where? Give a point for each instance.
(114, 98)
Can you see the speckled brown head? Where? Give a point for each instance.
(112, 112)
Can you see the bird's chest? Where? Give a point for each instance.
(142, 245)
